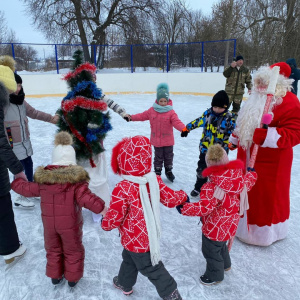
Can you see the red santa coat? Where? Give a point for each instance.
(125, 210)
(269, 200)
(220, 218)
(63, 191)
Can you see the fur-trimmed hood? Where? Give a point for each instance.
(228, 177)
(4, 96)
(60, 175)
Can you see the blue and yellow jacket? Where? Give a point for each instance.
(217, 129)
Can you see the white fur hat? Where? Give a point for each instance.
(63, 154)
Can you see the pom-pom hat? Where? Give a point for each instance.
(216, 156)
(63, 153)
(7, 68)
(162, 91)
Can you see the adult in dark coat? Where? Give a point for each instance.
(294, 75)
(9, 240)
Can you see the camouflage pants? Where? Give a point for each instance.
(236, 101)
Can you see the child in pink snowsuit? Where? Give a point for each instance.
(162, 119)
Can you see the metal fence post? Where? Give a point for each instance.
(168, 68)
(13, 50)
(202, 56)
(56, 59)
(131, 58)
(95, 58)
(234, 48)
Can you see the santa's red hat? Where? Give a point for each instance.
(285, 69)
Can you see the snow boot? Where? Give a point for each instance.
(15, 255)
(72, 283)
(126, 291)
(174, 296)
(169, 174)
(204, 280)
(194, 193)
(57, 281)
(157, 171)
(23, 202)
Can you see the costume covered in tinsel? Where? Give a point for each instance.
(82, 114)
(266, 220)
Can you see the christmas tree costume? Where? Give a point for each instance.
(267, 219)
(82, 114)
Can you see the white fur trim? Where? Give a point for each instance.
(261, 236)
(272, 138)
(234, 140)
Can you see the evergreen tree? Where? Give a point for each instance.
(81, 112)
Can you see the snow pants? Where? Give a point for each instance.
(201, 166)
(9, 239)
(217, 258)
(65, 253)
(163, 156)
(141, 262)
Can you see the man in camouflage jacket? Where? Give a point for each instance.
(237, 77)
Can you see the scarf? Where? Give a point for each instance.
(244, 204)
(151, 211)
(17, 99)
(162, 109)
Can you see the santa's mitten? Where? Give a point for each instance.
(259, 136)
(184, 132)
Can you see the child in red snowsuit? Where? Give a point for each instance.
(222, 200)
(137, 217)
(63, 188)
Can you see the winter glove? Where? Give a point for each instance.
(259, 136)
(54, 119)
(250, 169)
(127, 118)
(184, 132)
(179, 207)
(21, 175)
(231, 146)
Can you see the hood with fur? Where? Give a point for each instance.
(61, 175)
(228, 177)
(132, 156)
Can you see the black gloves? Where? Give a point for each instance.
(184, 133)
(179, 207)
(127, 119)
(250, 169)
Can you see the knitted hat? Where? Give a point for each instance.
(7, 68)
(63, 154)
(162, 91)
(285, 69)
(239, 57)
(220, 99)
(216, 156)
(18, 78)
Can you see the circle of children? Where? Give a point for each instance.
(72, 181)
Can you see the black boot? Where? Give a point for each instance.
(72, 283)
(169, 173)
(57, 281)
(174, 296)
(157, 171)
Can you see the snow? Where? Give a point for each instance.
(257, 272)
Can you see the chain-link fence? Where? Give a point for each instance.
(207, 56)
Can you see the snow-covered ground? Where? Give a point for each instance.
(257, 273)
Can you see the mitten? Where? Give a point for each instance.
(184, 132)
(127, 119)
(259, 136)
(179, 207)
(231, 146)
(250, 169)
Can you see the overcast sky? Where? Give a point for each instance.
(17, 19)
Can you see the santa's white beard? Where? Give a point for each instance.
(249, 118)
